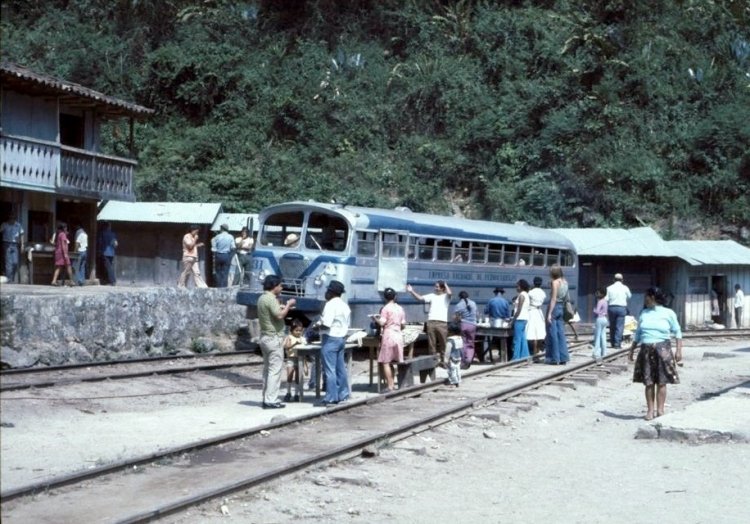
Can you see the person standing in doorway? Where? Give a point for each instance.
(271, 315)
(222, 246)
(12, 234)
(437, 318)
(618, 295)
(190, 265)
(81, 240)
(107, 243)
(334, 327)
(739, 304)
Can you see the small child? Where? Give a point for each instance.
(293, 339)
(455, 350)
(600, 327)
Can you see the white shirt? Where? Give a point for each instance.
(523, 313)
(618, 294)
(536, 297)
(335, 317)
(739, 299)
(439, 306)
(82, 239)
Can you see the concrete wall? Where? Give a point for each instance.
(52, 326)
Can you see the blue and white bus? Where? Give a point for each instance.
(308, 244)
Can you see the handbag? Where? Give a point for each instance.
(569, 311)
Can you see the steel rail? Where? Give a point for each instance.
(388, 433)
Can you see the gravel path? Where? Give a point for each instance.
(571, 459)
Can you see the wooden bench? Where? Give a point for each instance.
(425, 365)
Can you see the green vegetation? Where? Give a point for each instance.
(587, 113)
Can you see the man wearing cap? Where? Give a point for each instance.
(499, 311)
(222, 245)
(334, 327)
(618, 295)
(437, 318)
(271, 315)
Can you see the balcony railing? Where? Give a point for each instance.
(29, 163)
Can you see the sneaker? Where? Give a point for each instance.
(295, 398)
(273, 405)
(288, 397)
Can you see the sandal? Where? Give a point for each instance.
(649, 416)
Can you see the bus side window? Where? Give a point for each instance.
(366, 244)
(510, 255)
(538, 259)
(478, 253)
(425, 250)
(495, 254)
(524, 256)
(553, 257)
(566, 258)
(444, 251)
(460, 251)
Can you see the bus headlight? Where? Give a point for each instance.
(319, 281)
(262, 274)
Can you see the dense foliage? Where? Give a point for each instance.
(559, 112)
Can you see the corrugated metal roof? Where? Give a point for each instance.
(15, 76)
(711, 252)
(637, 242)
(235, 221)
(169, 212)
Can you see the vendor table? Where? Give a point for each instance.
(313, 350)
(485, 334)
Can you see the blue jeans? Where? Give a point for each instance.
(600, 337)
(556, 347)
(222, 261)
(80, 267)
(12, 258)
(334, 366)
(616, 324)
(520, 344)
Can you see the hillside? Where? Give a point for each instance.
(587, 113)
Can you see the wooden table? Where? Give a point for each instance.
(313, 350)
(485, 333)
(373, 347)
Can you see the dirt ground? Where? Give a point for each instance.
(573, 458)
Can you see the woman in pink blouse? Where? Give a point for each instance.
(392, 320)
(600, 328)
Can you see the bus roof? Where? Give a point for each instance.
(433, 225)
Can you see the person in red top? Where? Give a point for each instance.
(62, 258)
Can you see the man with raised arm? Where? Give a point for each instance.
(437, 318)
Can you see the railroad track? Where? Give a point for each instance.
(152, 486)
(15, 379)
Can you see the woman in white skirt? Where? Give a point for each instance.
(536, 329)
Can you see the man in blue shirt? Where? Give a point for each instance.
(12, 234)
(498, 308)
(223, 246)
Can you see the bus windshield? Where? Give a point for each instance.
(324, 232)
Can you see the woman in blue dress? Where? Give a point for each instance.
(655, 365)
(556, 347)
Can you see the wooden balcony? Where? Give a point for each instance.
(32, 164)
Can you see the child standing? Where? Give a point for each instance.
(292, 340)
(455, 350)
(600, 328)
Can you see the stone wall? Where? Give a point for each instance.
(103, 323)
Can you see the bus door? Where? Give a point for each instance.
(392, 259)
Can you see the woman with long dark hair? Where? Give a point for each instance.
(466, 314)
(555, 345)
(655, 365)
